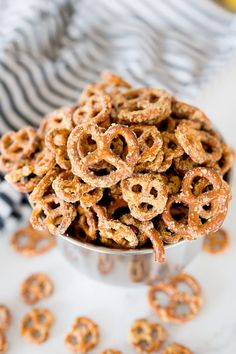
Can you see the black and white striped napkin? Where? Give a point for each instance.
(49, 50)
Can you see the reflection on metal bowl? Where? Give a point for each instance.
(127, 267)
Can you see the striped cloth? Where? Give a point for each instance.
(49, 50)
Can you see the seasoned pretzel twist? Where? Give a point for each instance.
(44, 187)
(146, 336)
(110, 84)
(71, 189)
(23, 178)
(53, 214)
(150, 146)
(83, 161)
(87, 222)
(18, 145)
(182, 110)
(200, 145)
(191, 298)
(149, 141)
(30, 242)
(56, 141)
(96, 109)
(84, 335)
(58, 119)
(146, 195)
(205, 212)
(35, 288)
(36, 324)
(43, 162)
(114, 231)
(171, 150)
(216, 242)
(143, 105)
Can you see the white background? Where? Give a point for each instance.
(114, 308)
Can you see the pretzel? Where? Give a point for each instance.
(171, 149)
(30, 242)
(143, 105)
(3, 342)
(150, 166)
(58, 119)
(44, 187)
(182, 110)
(18, 145)
(43, 162)
(156, 241)
(85, 224)
(54, 214)
(23, 179)
(146, 195)
(191, 282)
(50, 211)
(111, 351)
(176, 348)
(149, 140)
(82, 162)
(147, 337)
(183, 164)
(138, 269)
(84, 335)
(5, 318)
(91, 198)
(71, 189)
(96, 109)
(176, 297)
(154, 303)
(117, 84)
(167, 125)
(214, 201)
(35, 288)
(200, 145)
(211, 191)
(141, 230)
(136, 226)
(110, 84)
(7, 164)
(36, 324)
(56, 141)
(105, 263)
(166, 235)
(216, 242)
(114, 232)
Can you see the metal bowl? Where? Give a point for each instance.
(127, 267)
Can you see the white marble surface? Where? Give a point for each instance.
(114, 308)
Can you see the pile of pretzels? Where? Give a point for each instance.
(123, 167)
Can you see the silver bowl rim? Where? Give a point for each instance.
(116, 251)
